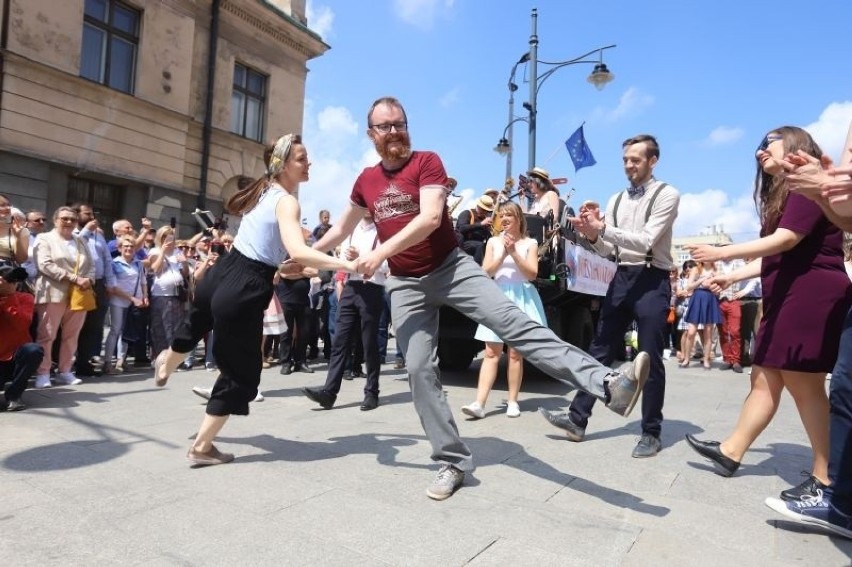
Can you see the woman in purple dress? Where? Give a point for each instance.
(806, 294)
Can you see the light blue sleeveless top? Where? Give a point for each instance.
(258, 237)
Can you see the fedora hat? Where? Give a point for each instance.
(485, 203)
(491, 192)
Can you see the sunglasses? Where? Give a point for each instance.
(37, 220)
(768, 139)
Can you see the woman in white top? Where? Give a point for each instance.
(234, 293)
(545, 196)
(130, 289)
(170, 269)
(511, 258)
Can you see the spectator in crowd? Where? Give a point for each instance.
(703, 312)
(36, 224)
(323, 226)
(361, 305)
(19, 355)
(63, 260)
(129, 290)
(545, 197)
(14, 236)
(512, 260)
(806, 296)
(92, 333)
(474, 225)
(730, 339)
(168, 292)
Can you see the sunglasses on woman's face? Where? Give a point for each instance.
(768, 139)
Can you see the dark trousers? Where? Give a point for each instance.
(17, 371)
(475, 248)
(360, 301)
(749, 310)
(840, 397)
(294, 341)
(636, 294)
(384, 324)
(230, 301)
(92, 334)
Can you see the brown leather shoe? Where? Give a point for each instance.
(211, 457)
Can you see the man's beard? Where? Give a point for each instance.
(401, 149)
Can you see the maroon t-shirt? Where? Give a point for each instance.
(393, 198)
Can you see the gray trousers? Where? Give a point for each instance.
(460, 283)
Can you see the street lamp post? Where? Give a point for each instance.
(599, 77)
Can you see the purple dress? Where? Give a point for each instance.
(806, 294)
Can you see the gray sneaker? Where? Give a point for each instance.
(625, 389)
(563, 421)
(648, 446)
(201, 392)
(448, 480)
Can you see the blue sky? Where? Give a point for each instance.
(708, 79)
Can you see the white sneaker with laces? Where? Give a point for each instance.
(68, 378)
(474, 410)
(513, 409)
(42, 381)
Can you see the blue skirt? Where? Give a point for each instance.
(525, 296)
(703, 308)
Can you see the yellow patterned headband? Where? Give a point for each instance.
(280, 153)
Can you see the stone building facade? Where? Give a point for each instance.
(106, 101)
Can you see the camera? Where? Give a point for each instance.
(218, 247)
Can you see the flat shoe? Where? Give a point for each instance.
(211, 457)
(161, 360)
(724, 465)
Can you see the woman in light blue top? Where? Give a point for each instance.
(511, 258)
(233, 295)
(130, 289)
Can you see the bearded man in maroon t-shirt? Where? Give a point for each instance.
(406, 194)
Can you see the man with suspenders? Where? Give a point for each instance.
(637, 230)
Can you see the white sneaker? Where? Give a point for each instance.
(474, 410)
(68, 378)
(259, 397)
(513, 409)
(43, 381)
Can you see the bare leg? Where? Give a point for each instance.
(758, 409)
(515, 374)
(488, 371)
(707, 343)
(210, 427)
(808, 391)
(688, 343)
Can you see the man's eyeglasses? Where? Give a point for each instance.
(386, 128)
(37, 220)
(768, 139)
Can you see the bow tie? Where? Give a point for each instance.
(636, 191)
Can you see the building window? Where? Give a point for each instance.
(104, 198)
(110, 42)
(248, 100)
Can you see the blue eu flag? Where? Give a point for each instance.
(579, 150)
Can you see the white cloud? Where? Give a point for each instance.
(631, 102)
(320, 19)
(724, 135)
(713, 207)
(450, 98)
(830, 129)
(338, 150)
(420, 13)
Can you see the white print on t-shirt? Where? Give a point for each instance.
(392, 203)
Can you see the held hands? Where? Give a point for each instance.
(351, 253)
(816, 179)
(290, 267)
(368, 264)
(717, 283)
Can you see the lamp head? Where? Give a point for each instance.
(503, 147)
(600, 76)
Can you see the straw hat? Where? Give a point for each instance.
(542, 174)
(485, 203)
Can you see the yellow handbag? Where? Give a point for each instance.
(80, 299)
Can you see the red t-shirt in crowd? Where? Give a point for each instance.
(393, 198)
(16, 314)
